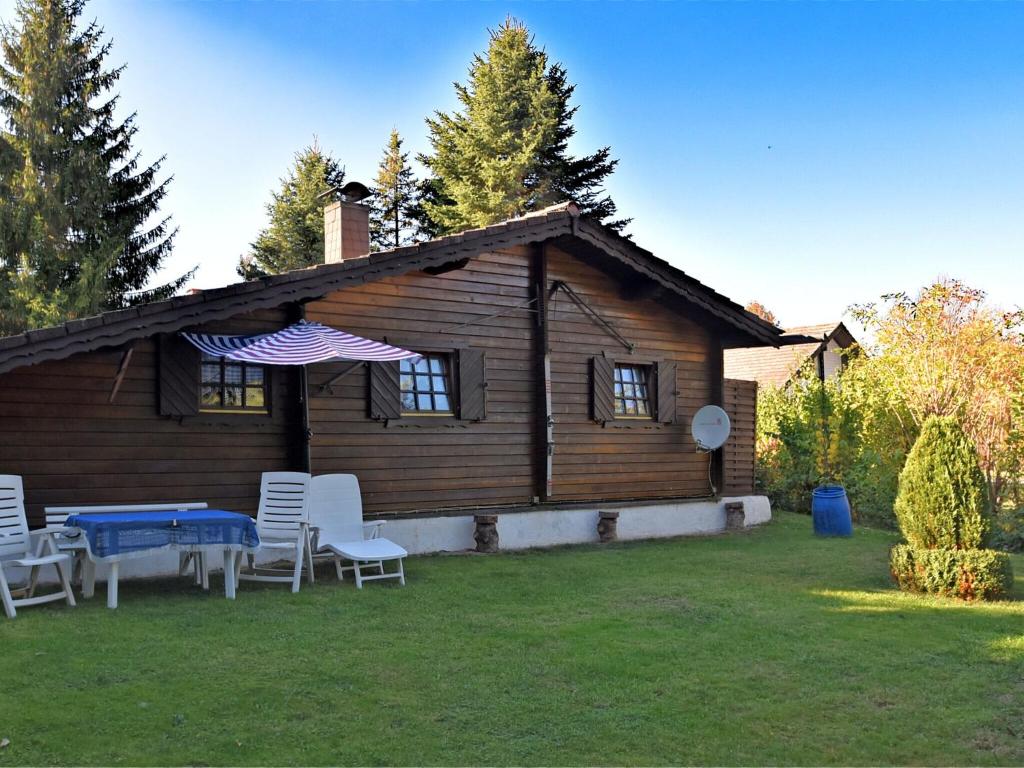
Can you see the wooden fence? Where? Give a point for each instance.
(740, 402)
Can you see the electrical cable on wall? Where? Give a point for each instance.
(711, 482)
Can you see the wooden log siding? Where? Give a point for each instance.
(59, 431)
(740, 402)
(429, 462)
(622, 459)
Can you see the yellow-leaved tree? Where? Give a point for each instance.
(946, 352)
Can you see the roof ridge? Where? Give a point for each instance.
(812, 327)
(306, 283)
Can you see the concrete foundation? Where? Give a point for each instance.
(516, 530)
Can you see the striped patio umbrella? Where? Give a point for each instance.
(299, 344)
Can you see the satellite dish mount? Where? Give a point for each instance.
(710, 429)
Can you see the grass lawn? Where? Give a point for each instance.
(768, 647)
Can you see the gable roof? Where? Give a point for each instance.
(776, 366)
(119, 326)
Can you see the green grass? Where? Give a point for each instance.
(772, 647)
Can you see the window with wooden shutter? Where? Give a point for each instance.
(602, 389)
(385, 394)
(666, 392)
(472, 384)
(178, 376)
(440, 383)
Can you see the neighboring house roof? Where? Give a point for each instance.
(557, 222)
(824, 332)
(775, 366)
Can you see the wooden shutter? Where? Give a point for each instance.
(178, 375)
(666, 392)
(602, 389)
(385, 393)
(472, 384)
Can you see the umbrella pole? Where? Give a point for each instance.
(307, 433)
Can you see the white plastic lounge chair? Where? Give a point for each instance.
(16, 549)
(283, 525)
(336, 520)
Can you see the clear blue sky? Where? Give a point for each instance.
(808, 155)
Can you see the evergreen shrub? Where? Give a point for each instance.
(968, 574)
(942, 502)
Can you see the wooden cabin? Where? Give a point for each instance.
(565, 366)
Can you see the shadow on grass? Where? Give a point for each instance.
(998, 626)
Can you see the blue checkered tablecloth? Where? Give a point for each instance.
(113, 534)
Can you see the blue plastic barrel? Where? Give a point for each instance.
(830, 510)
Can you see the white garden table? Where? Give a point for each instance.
(112, 536)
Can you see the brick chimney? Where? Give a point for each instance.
(346, 231)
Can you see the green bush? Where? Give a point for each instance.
(1008, 530)
(942, 502)
(969, 574)
(838, 431)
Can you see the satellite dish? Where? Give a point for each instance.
(710, 427)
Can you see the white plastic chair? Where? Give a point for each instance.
(283, 525)
(16, 549)
(68, 542)
(336, 519)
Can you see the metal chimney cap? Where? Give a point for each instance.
(352, 192)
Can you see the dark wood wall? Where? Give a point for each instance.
(71, 446)
(432, 462)
(738, 451)
(630, 458)
(59, 432)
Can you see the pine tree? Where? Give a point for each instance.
(79, 234)
(295, 235)
(580, 179)
(506, 152)
(394, 206)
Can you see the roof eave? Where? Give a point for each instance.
(115, 328)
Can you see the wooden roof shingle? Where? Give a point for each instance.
(774, 366)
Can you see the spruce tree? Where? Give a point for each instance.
(81, 232)
(295, 236)
(505, 153)
(580, 179)
(394, 205)
(429, 192)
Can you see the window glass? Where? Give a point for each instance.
(632, 398)
(426, 384)
(229, 386)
